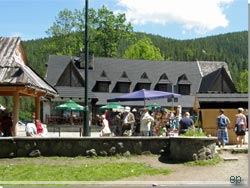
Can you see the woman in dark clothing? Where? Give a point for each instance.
(7, 125)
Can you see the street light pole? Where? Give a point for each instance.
(172, 97)
(86, 112)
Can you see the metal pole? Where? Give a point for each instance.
(86, 112)
(172, 97)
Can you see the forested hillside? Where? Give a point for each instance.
(231, 48)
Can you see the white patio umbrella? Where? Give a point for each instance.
(2, 107)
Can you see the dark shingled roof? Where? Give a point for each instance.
(114, 68)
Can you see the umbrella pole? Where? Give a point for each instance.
(71, 118)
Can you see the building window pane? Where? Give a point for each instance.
(123, 88)
(184, 89)
(142, 86)
(103, 87)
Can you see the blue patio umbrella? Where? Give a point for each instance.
(143, 95)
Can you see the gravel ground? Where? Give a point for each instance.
(181, 174)
(216, 173)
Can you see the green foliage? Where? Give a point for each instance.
(86, 172)
(63, 25)
(106, 30)
(193, 132)
(143, 49)
(243, 82)
(240, 151)
(210, 162)
(26, 106)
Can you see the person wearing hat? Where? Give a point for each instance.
(222, 133)
(240, 127)
(128, 121)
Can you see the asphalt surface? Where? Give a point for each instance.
(56, 132)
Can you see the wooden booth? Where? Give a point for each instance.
(208, 106)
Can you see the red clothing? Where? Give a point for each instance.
(39, 128)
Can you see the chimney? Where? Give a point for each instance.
(82, 60)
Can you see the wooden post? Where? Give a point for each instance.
(37, 106)
(15, 114)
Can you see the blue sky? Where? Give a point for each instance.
(177, 19)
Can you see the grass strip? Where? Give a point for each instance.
(86, 172)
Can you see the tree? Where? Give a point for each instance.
(110, 29)
(143, 49)
(64, 24)
(242, 85)
(106, 30)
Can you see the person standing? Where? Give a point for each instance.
(222, 133)
(105, 130)
(39, 127)
(185, 123)
(128, 122)
(146, 121)
(7, 124)
(240, 126)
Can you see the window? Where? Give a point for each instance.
(140, 86)
(164, 87)
(122, 87)
(184, 85)
(184, 89)
(101, 87)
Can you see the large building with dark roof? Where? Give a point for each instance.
(111, 77)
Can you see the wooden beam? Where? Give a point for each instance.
(22, 90)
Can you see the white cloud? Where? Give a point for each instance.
(198, 15)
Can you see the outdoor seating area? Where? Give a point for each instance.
(63, 120)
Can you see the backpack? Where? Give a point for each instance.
(222, 122)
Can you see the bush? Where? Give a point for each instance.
(193, 132)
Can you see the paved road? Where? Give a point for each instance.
(56, 133)
(74, 133)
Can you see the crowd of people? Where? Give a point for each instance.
(163, 122)
(144, 122)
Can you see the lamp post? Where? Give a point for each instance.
(86, 40)
(172, 85)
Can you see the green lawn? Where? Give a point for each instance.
(94, 171)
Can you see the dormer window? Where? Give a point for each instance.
(184, 85)
(103, 86)
(143, 83)
(164, 84)
(102, 83)
(123, 84)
